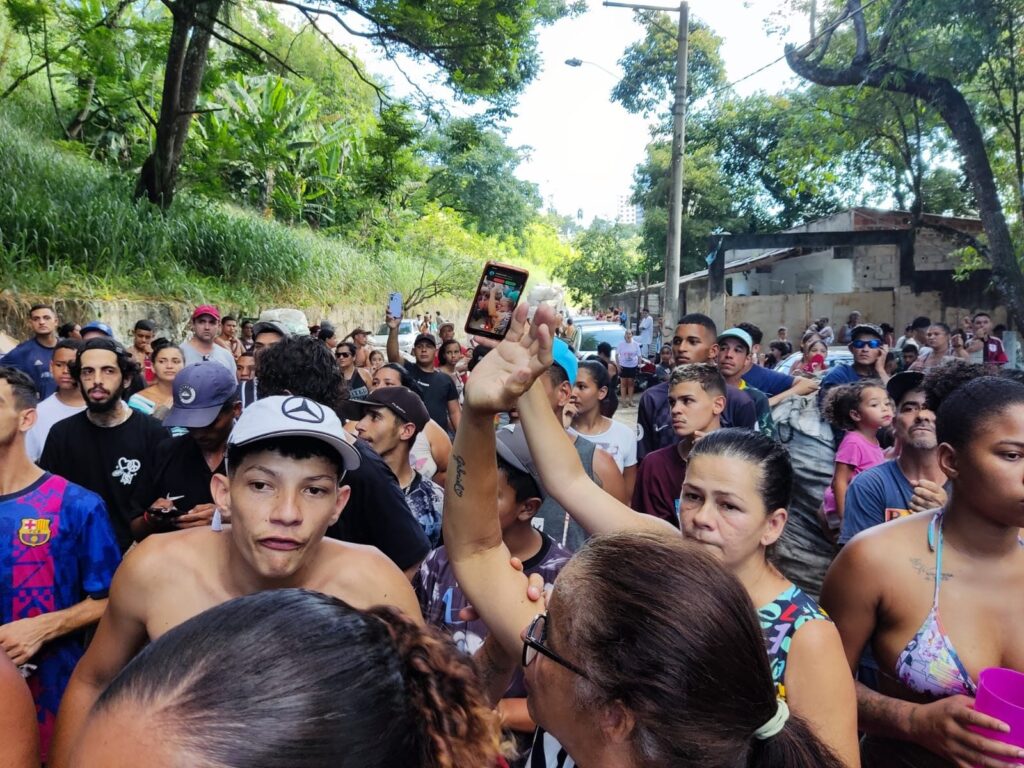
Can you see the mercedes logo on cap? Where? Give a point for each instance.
(186, 395)
(302, 409)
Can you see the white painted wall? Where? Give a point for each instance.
(797, 275)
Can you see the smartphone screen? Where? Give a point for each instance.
(395, 304)
(500, 289)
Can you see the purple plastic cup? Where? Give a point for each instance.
(1001, 695)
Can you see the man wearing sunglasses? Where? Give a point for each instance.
(869, 352)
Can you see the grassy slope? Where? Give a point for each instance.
(69, 225)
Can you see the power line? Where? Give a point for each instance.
(830, 28)
(714, 91)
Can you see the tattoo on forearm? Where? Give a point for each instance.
(460, 474)
(925, 572)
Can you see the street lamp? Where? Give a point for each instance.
(575, 62)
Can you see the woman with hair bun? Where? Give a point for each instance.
(649, 654)
(294, 679)
(936, 595)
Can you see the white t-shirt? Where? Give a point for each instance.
(48, 412)
(627, 354)
(219, 355)
(618, 440)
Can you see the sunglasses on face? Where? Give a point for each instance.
(861, 343)
(534, 643)
(343, 354)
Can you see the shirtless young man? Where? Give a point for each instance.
(286, 460)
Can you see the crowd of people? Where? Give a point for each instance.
(256, 547)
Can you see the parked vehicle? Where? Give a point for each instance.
(592, 334)
(407, 332)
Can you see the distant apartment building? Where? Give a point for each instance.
(627, 212)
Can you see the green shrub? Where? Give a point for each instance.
(68, 223)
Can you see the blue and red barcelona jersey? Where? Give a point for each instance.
(56, 549)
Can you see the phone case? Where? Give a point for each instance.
(498, 293)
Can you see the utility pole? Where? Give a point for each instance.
(670, 304)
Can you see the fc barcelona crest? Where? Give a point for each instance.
(34, 532)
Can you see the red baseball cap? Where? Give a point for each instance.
(206, 309)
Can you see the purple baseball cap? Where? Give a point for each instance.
(200, 391)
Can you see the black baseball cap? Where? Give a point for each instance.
(901, 383)
(402, 401)
(425, 338)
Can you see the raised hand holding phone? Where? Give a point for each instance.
(395, 305)
(497, 295)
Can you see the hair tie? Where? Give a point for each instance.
(774, 726)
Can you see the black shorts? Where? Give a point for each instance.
(628, 373)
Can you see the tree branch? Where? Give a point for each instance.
(105, 21)
(220, 22)
(381, 95)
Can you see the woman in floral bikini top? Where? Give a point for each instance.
(936, 595)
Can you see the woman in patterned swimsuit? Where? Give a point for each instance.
(733, 503)
(937, 595)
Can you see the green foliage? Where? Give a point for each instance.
(483, 48)
(68, 227)
(649, 67)
(473, 172)
(604, 260)
(780, 156)
(440, 257)
(265, 143)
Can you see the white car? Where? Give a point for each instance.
(592, 334)
(407, 333)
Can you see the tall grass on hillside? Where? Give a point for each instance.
(69, 224)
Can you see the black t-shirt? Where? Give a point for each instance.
(110, 461)
(179, 469)
(358, 387)
(378, 514)
(437, 389)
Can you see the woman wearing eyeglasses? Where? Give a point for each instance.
(358, 384)
(649, 654)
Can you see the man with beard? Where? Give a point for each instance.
(176, 494)
(201, 347)
(695, 341)
(108, 447)
(65, 402)
(913, 481)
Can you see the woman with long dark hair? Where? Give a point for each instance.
(294, 679)
(649, 654)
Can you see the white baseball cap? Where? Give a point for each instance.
(291, 416)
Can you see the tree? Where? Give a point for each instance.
(707, 205)
(924, 50)
(649, 68)
(446, 259)
(485, 48)
(473, 172)
(605, 261)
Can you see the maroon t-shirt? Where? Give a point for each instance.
(658, 483)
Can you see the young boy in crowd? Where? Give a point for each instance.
(696, 397)
(441, 599)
